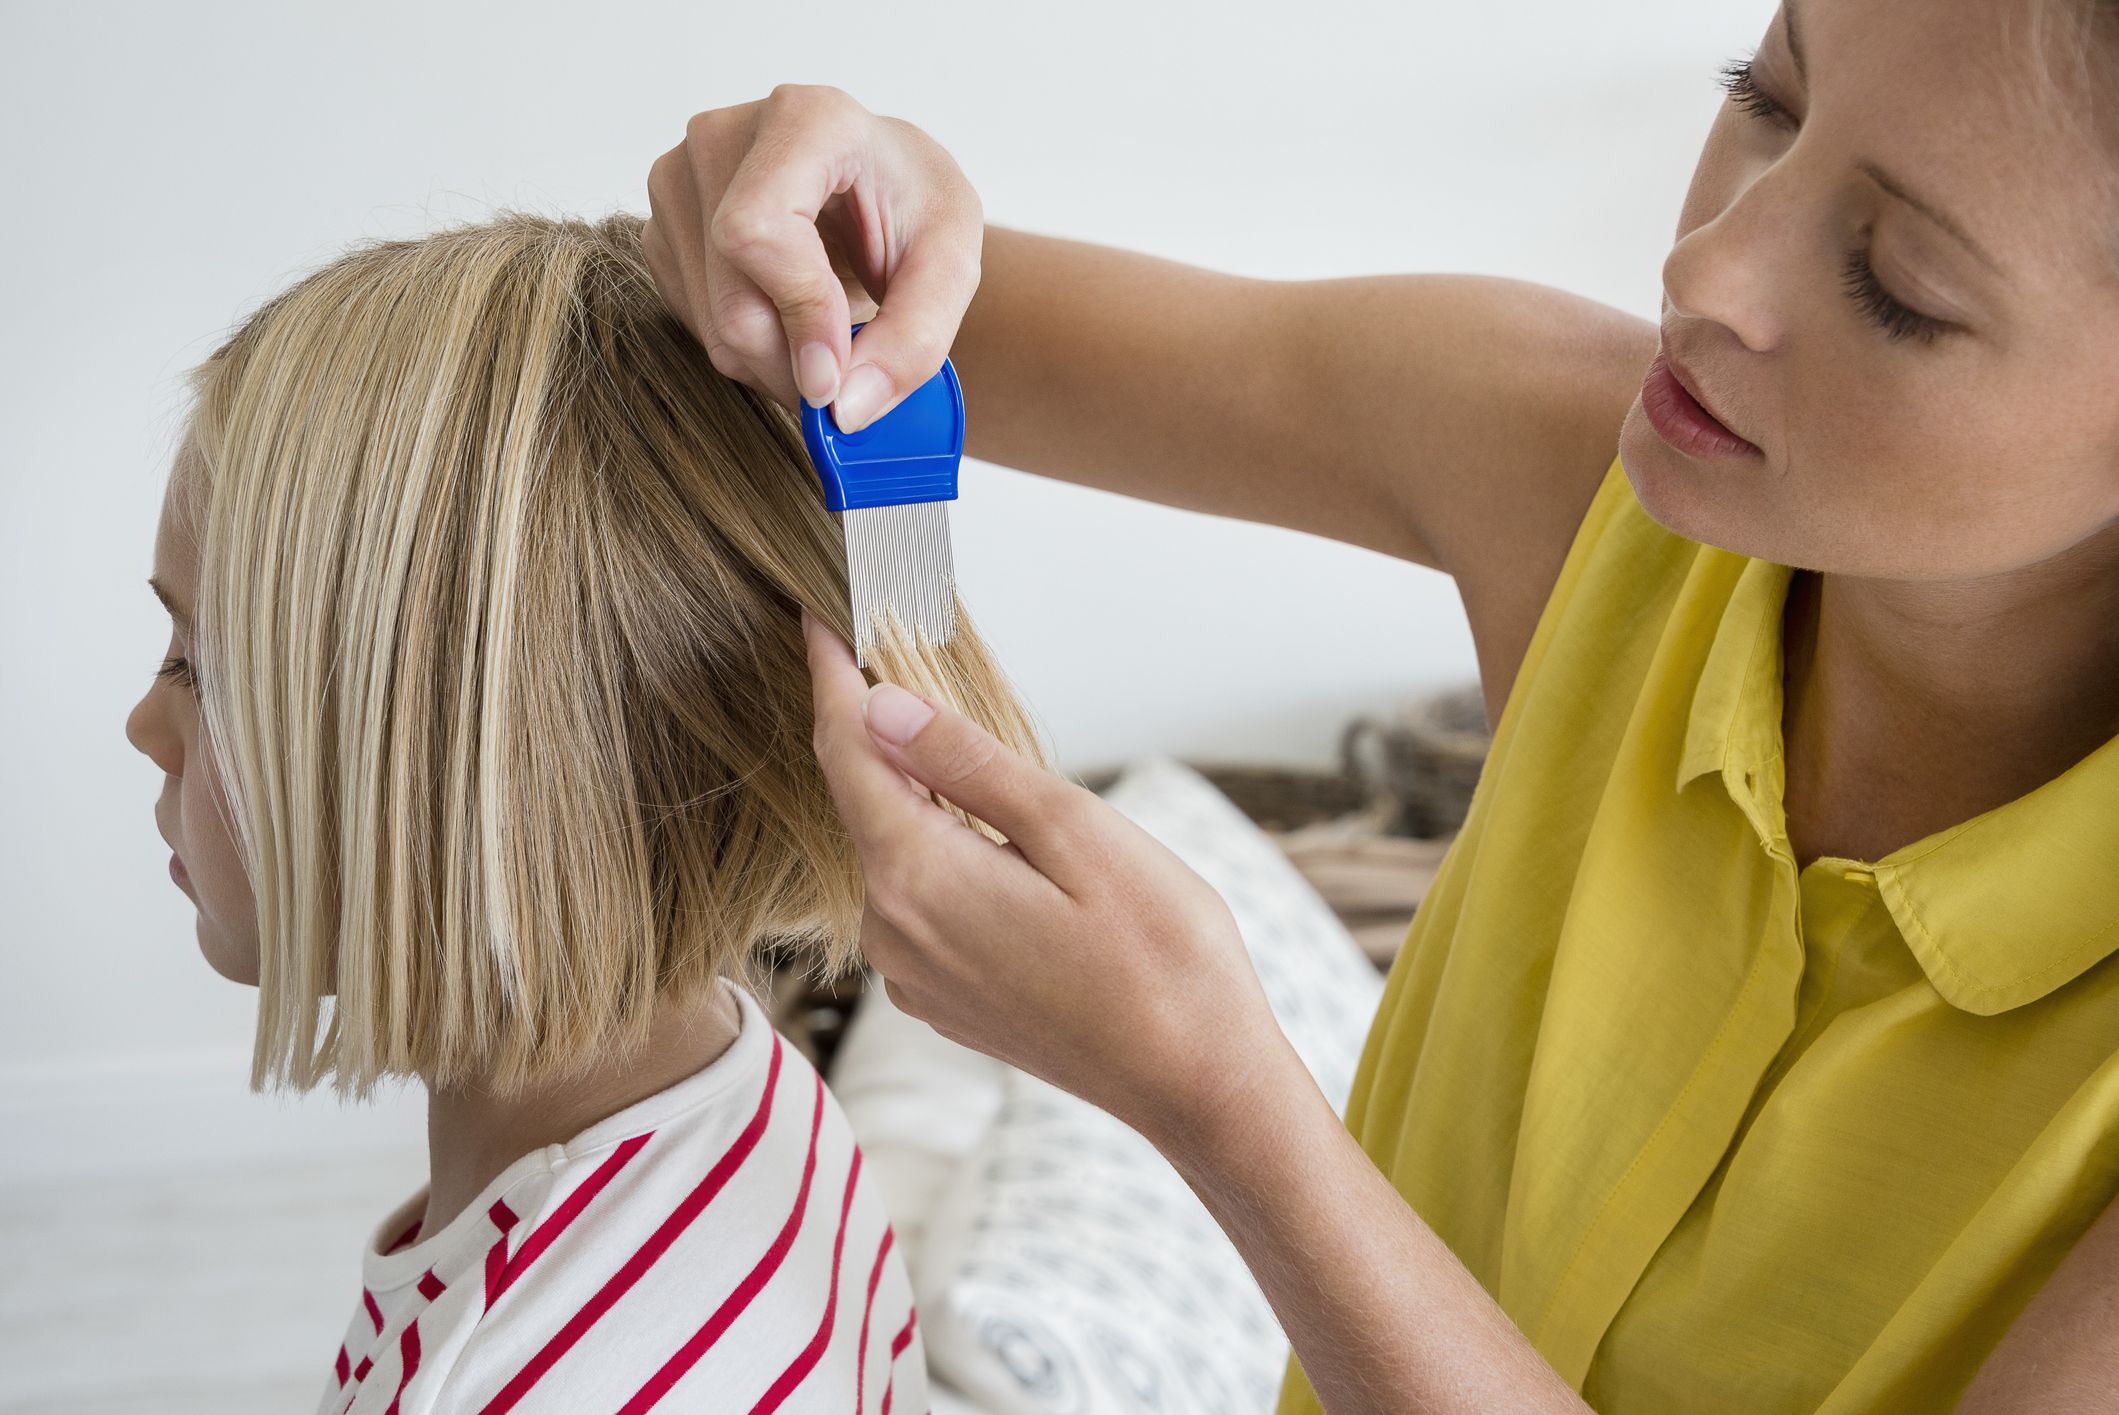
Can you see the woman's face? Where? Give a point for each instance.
(192, 813)
(1954, 414)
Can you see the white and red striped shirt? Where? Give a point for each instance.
(713, 1247)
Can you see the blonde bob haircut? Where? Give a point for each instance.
(500, 658)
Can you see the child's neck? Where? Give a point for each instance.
(472, 1135)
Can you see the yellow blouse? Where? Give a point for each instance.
(1721, 1135)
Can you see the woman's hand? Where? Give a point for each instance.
(1083, 951)
(773, 221)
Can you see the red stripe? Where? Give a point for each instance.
(406, 1237)
(430, 1286)
(629, 1272)
(569, 1210)
(898, 1344)
(806, 1359)
(408, 1349)
(497, 1256)
(360, 1372)
(875, 1275)
(496, 1264)
(701, 1341)
(344, 1366)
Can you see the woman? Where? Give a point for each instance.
(1758, 1046)
(484, 727)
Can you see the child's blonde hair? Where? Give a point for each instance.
(501, 659)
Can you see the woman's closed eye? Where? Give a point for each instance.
(1858, 277)
(1737, 80)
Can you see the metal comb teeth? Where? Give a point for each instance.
(898, 563)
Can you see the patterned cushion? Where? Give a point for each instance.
(1067, 1267)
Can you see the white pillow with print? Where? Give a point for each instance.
(918, 1105)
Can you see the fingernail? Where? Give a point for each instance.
(894, 715)
(816, 374)
(861, 396)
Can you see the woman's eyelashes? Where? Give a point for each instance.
(1737, 81)
(1857, 274)
(1858, 277)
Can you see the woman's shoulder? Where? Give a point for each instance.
(1611, 551)
(1606, 610)
(1512, 524)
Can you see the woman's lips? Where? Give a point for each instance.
(1680, 420)
(176, 872)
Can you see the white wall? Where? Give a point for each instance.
(167, 166)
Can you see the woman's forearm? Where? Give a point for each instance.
(1122, 371)
(1392, 412)
(1171, 383)
(1338, 1252)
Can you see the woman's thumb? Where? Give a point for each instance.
(959, 760)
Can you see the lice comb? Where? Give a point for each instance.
(890, 485)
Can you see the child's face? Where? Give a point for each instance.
(1986, 449)
(192, 813)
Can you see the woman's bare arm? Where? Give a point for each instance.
(1458, 421)
(2061, 1356)
(1338, 1251)
(1397, 412)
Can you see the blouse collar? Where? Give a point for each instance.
(2000, 909)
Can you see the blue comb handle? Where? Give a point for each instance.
(910, 454)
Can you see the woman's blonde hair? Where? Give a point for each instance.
(500, 657)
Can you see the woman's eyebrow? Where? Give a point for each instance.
(176, 611)
(1898, 189)
(1876, 173)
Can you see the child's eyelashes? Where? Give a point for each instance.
(177, 669)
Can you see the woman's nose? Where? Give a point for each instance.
(1742, 255)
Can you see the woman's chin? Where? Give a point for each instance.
(1702, 502)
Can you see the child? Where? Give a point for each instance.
(487, 741)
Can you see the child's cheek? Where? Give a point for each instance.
(227, 911)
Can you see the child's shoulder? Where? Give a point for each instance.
(716, 1237)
